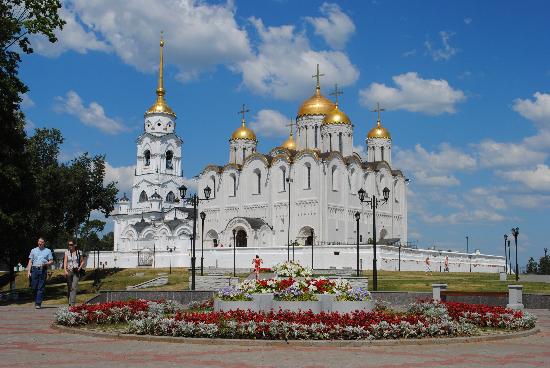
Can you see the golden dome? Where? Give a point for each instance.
(379, 132)
(316, 104)
(243, 132)
(336, 116)
(290, 144)
(160, 106)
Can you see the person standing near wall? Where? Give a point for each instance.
(257, 262)
(37, 270)
(73, 264)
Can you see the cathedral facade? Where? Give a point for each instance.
(304, 191)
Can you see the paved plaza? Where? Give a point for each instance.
(26, 340)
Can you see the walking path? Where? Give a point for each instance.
(26, 340)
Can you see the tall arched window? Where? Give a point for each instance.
(213, 182)
(308, 176)
(334, 178)
(340, 143)
(143, 196)
(234, 185)
(283, 179)
(244, 154)
(258, 181)
(170, 197)
(382, 152)
(169, 157)
(147, 155)
(330, 141)
(316, 132)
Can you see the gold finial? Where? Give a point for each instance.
(289, 143)
(291, 125)
(336, 93)
(378, 109)
(160, 106)
(317, 76)
(243, 111)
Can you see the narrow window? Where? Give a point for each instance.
(234, 185)
(308, 168)
(213, 180)
(169, 157)
(147, 155)
(382, 152)
(283, 179)
(330, 141)
(259, 178)
(143, 196)
(340, 145)
(334, 178)
(244, 154)
(316, 132)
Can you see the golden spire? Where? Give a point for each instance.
(290, 143)
(316, 104)
(160, 106)
(379, 131)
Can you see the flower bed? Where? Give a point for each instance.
(423, 319)
(291, 269)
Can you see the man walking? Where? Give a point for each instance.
(37, 269)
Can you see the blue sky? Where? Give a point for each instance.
(465, 85)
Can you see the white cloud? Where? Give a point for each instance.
(496, 154)
(26, 101)
(537, 110)
(474, 216)
(539, 140)
(435, 168)
(408, 53)
(429, 96)
(444, 53)
(336, 27)
(198, 36)
(92, 115)
(537, 179)
(468, 20)
(29, 125)
(123, 175)
(270, 123)
(72, 37)
(284, 62)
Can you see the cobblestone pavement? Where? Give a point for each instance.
(26, 340)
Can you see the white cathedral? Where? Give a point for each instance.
(303, 192)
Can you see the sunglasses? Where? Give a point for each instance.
(71, 244)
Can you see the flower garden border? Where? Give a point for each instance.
(300, 343)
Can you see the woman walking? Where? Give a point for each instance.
(73, 264)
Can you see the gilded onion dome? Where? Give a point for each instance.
(243, 132)
(160, 106)
(336, 116)
(379, 132)
(290, 144)
(316, 104)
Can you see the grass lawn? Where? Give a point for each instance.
(109, 279)
(456, 281)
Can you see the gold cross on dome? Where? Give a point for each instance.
(243, 111)
(378, 109)
(336, 93)
(291, 125)
(317, 75)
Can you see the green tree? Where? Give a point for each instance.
(532, 266)
(544, 265)
(18, 20)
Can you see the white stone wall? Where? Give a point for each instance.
(324, 257)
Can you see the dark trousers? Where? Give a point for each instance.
(38, 283)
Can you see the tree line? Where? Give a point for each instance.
(543, 265)
(41, 196)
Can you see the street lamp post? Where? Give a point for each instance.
(509, 259)
(234, 251)
(374, 202)
(194, 200)
(399, 263)
(470, 257)
(203, 216)
(515, 233)
(289, 180)
(357, 217)
(505, 258)
(467, 244)
(439, 261)
(170, 249)
(312, 242)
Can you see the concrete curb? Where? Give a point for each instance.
(299, 343)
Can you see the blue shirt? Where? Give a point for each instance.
(40, 257)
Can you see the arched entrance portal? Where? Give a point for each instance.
(241, 238)
(305, 236)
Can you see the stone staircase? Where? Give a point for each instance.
(157, 281)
